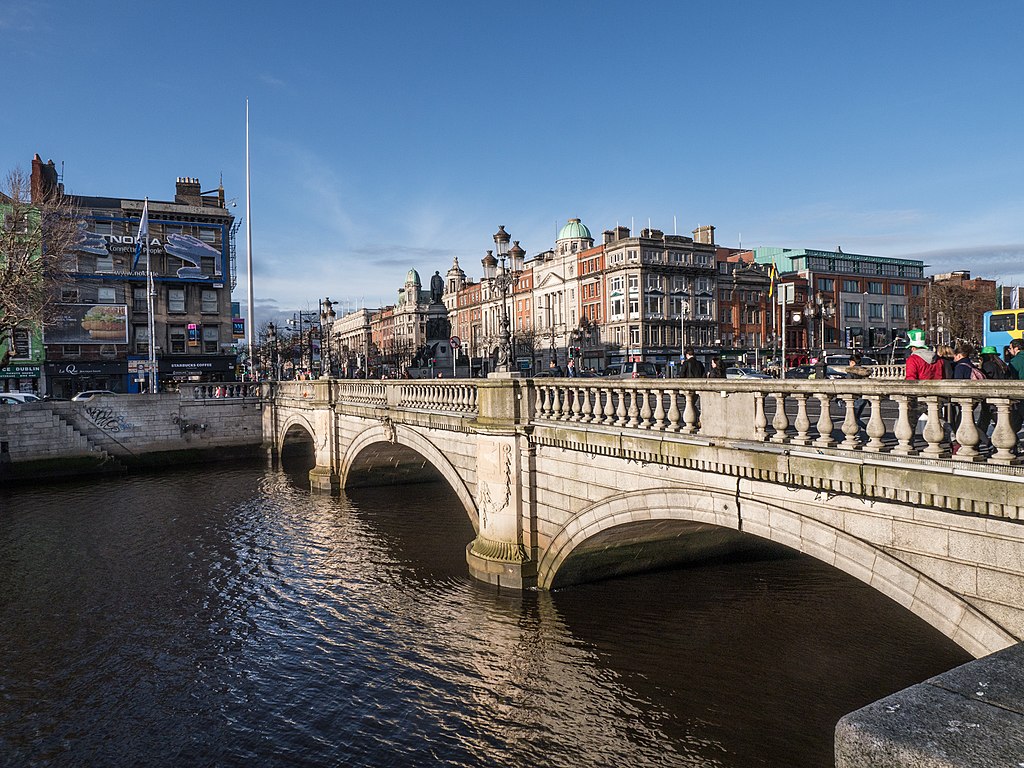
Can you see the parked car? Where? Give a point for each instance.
(89, 394)
(744, 373)
(805, 371)
(632, 371)
(842, 360)
(21, 397)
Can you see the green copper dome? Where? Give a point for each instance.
(413, 277)
(575, 230)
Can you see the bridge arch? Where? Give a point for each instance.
(400, 435)
(293, 427)
(926, 598)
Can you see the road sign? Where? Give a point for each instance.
(455, 341)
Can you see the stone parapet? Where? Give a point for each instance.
(969, 717)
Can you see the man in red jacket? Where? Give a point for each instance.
(922, 364)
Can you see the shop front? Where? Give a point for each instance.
(66, 379)
(20, 377)
(196, 368)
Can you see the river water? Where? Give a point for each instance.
(224, 616)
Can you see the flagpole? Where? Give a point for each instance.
(150, 291)
(248, 256)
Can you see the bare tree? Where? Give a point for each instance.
(37, 242)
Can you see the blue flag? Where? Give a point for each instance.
(143, 235)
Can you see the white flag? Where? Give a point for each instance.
(143, 234)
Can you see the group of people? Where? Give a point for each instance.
(944, 362)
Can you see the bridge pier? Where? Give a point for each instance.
(500, 554)
(324, 480)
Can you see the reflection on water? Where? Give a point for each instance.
(227, 617)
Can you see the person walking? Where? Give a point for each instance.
(715, 369)
(692, 368)
(570, 369)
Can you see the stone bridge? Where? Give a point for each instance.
(568, 480)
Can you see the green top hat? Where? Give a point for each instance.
(915, 338)
(989, 351)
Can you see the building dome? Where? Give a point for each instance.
(575, 230)
(413, 277)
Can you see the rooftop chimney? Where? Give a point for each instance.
(704, 234)
(45, 182)
(188, 191)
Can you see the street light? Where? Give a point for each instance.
(298, 319)
(506, 279)
(684, 311)
(327, 316)
(272, 340)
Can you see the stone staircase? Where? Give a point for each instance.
(44, 434)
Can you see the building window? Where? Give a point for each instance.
(209, 302)
(69, 295)
(211, 339)
(176, 334)
(141, 336)
(898, 311)
(138, 300)
(851, 286)
(106, 296)
(104, 263)
(851, 310)
(897, 289)
(875, 311)
(916, 290)
(634, 335)
(875, 288)
(634, 283)
(176, 300)
(653, 306)
(634, 307)
(208, 265)
(826, 284)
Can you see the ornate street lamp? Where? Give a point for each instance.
(505, 280)
(272, 340)
(327, 316)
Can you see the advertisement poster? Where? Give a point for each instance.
(88, 324)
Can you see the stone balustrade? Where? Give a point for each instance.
(219, 391)
(453, 396)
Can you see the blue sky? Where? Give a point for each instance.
(390, 135)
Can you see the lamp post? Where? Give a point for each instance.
(327, 316)
(684, 310)
(299, 320)
(272, 341)
(505, 280)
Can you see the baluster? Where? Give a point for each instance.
(588, 409)
(609, 409)
(760, 421)
(620, 407)
(780, 421)
(634, 412)
(934, 431)
(802, 423)
(690, 414)
(568, 402)
(967, 434)
(903, 429)
(673, 410)
(646, 411)
(542, 401)
(850, 426)
(875, 427)
(824, 425)
(556, 402)
(659, 410)
(577, 406)
(1004, 439)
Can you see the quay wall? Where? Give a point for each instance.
(114, 433)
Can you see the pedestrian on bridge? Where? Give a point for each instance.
(692, 368)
